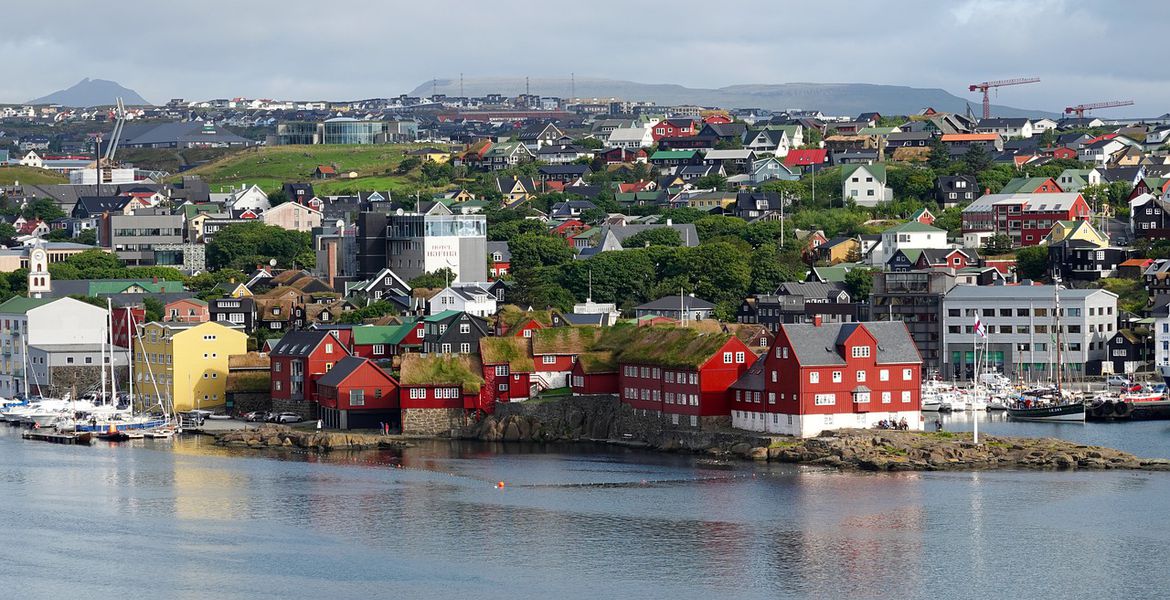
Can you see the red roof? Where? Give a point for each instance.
(970, 137)
(326, 169)
(1136, 262)
(804, 158)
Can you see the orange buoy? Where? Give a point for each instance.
(500, 485)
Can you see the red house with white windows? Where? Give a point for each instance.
(507, 368)
(439, 392)
(673, 128)
(358, 394)
(594, 373)
(1026, 218)
(297, 361)
(682, 374)
(831, 376)
(555, 351)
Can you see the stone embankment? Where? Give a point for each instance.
(606, 420)
(281, 436)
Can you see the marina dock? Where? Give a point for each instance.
(57, 438)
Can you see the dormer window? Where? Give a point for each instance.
(860, 352)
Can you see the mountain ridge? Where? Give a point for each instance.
(92, 92)
(829, 98)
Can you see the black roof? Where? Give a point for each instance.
(340, 371)
(300, 343)
(89, 206)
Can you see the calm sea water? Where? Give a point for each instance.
(184, 519)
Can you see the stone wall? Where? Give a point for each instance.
(604, 417)
(300, 407)
(431, 421)
(79, 379)
(244, 402)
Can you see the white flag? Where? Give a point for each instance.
(980, 330)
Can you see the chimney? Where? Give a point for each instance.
(669, 222)
(817, 320)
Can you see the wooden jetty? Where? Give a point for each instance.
(58, 438)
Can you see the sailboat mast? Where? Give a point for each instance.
(110, 336)
(1059, 363)
(129, 357)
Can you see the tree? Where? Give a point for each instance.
(977, 159)
(1032, 262)
(277, 198)
(538, 250)
(767, 272)
(591, 143)
(684, 214)
(999, 243)
(859, 284)
(1048, 138)
(7, 232)
(43, 209)
(940, 155)
(243, 245)
(716, 226)
(657, 236)
(154, 309)
(434, 279)
(593, 216)
(407, 165)
(714, 181)
(87, 237)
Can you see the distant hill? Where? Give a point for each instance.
(829, 98)
(92, 92)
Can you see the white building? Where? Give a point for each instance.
(630, 137)
(251, 198)
(1021, 329)
(865, 184)
(1007, 128)
(911, 235)
(472, 299)
(42, 322)
(425, 243)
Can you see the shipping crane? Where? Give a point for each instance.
(1080, 109)
(987, 85)
(106, 163)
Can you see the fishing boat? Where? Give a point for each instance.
(1049, 404)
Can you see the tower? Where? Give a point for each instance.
(38, 272)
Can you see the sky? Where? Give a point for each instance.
(1082, 51)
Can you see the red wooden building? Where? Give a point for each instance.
(673, 128)
(507, 368)
(298, 361)
(555, 350)
(513, 322)
(358, 394)
(681, 373)
(376, 342)
(829, 376)
(126, 321)
(438, 392)
(1026, 218)
(594, 373)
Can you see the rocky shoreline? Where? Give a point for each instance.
(849, 449)
(282, 436)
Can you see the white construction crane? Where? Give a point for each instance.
(106, 161)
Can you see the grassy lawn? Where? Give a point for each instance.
(269, 167)
(29, 175)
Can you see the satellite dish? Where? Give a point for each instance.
(272, 262)
(399, 212)
(340, 224)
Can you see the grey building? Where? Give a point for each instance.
(916, 298)
(1020, 321)
(59, 369)
(427, 242)
(134, 237)
(677, 308)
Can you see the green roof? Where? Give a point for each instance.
(441, 369)
(401, 332)
(111, 287)
(511, 350)
(911, 254)
(834, 274)
(597, 362)
(19, 305)
(435, 318)
(877, 130)
(665, 346)
(878, 171)
(376, 334)
(914, 227)
(669, 154)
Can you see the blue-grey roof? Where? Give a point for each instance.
(818, 345)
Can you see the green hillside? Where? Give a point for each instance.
(29, 175)
(271, 166)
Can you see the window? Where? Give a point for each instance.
(501, 370)
(814, 377)
(784, 352)
(885, 397)
(861, 376)
(328, 366)
(861, 352)
(884, 375)
(357, 397)
(465, 348)
(771, 397)
(278, 386)
(907, 374)
(739, 358)
(465, 328)
(548, 359)
(694, 378)
(906, 396)
(727, 358)
(527, 333)
(836, 376)
(825, 399)
(445, 348)
(861, 397)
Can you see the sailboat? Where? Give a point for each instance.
(118, 421)
(1053, 404)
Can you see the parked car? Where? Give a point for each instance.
(1120, 381)
(256, 416)
(287, 417)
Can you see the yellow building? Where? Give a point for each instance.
(189, 362)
